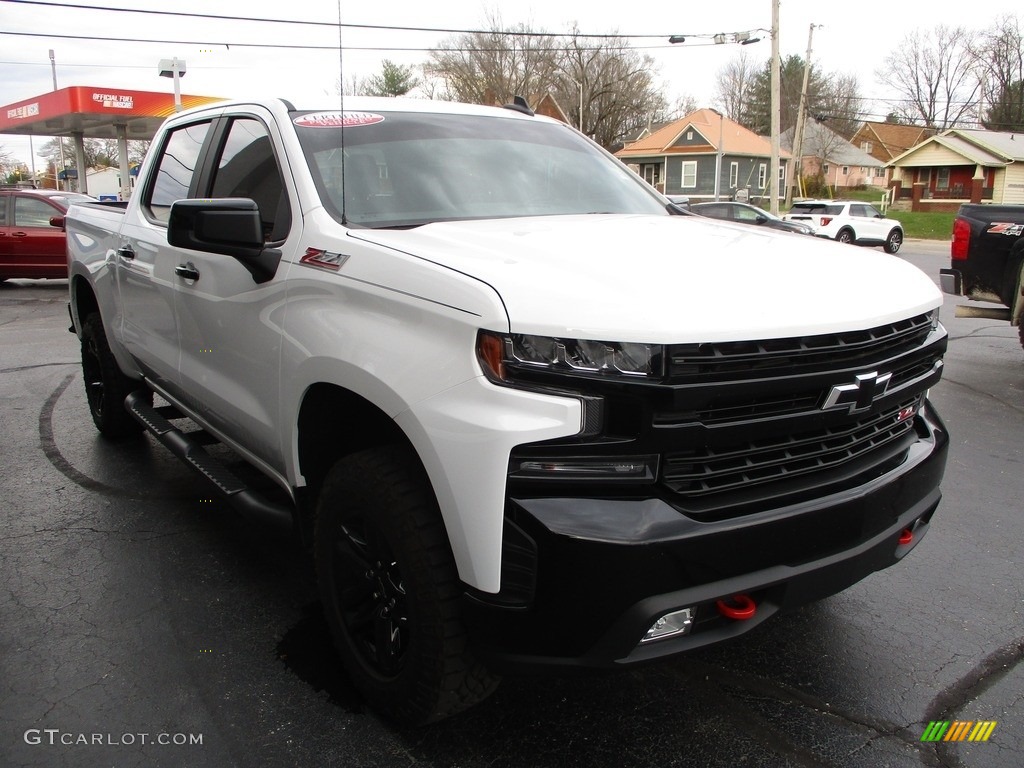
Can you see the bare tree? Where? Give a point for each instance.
(1001, 60)
(614, 83)
(838, 99)
(735, 85)
(935, 74)
(492, 66)
(7, 162)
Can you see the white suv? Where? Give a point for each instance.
(848, 221)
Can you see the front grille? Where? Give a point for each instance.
(745, 360)
(700, 473)
(741, 427)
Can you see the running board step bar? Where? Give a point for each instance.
(246, 501)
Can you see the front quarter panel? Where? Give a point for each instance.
(400, 332)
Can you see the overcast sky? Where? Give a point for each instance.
(853, 39)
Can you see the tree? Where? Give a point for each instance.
(616, 85)
(6, 161)
(735, 85)
(615, 82)
(1001, 59)
(394, 80)
(492, 66)
(935, 73)
(99, 153)
(834, 96)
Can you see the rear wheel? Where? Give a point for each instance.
(390, 590)
(105, 386)
(893, 241)
(845, 236)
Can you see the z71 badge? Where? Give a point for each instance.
(1005, 228)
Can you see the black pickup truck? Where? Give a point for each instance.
(987, 262)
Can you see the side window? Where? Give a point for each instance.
(30, 212)
(3, 210)
(175, 169)
(248, 168)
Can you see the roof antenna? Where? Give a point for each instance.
(519, 105)
(341, 100)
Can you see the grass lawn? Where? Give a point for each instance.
(929, 226)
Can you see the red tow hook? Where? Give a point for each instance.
(738, 607)
(906, 537)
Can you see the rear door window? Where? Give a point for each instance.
(175, 169)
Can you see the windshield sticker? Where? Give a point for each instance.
(338, 119)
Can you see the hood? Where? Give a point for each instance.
(669, 279)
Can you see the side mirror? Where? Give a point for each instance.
(57, 221)
(228, 225)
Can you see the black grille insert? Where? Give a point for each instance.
(723, 470)
(742, 360)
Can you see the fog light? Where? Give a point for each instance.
(670, 625)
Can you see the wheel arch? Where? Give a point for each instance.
(83, 301)
(334, 422)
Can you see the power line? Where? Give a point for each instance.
(335, 24)
(310, 47)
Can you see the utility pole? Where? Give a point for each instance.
(798, 132)
(718, 154)
(60, 139)
(776, 103)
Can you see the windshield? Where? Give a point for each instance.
(407, 169)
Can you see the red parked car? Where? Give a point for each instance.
(32, 240)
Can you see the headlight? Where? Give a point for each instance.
(501, 354)
(934, 317)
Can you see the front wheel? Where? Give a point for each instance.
(893, 241)
(390, 590)
(845, 236)
(105, 386)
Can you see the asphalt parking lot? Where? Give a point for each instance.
(141, 624)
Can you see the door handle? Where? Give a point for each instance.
(187, 271)
(126, 252)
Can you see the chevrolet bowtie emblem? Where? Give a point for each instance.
(860, 395)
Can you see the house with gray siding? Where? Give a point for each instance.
(688, 156)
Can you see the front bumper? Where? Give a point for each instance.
(605, 570)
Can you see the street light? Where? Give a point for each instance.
(174, 69)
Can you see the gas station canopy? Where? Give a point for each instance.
(94, 113)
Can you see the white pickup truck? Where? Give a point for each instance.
(525, 412)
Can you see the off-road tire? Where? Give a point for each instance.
(390, 590)
(105, 386)
(844, 236)
(893, 242)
